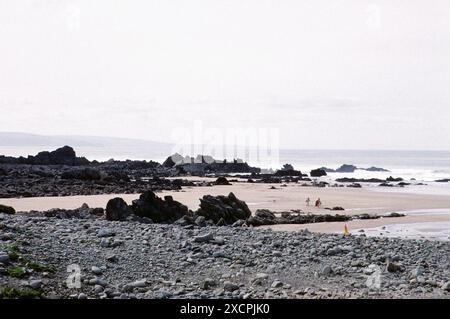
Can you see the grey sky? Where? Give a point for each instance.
(348, 74)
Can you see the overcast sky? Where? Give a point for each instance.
(334, 74)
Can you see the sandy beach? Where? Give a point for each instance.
(290, 197)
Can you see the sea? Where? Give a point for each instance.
(425, 166)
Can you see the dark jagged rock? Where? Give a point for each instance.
(262, 217)
(288, 170)
(394, 214)
(359, 180)
(386, 185)
(82, 212)
(266, 217)
(61, 156)
(228, 208)
(159, 210)
(7, 210)
(392, 179)
(355, 185)
(335, 208)
(376, 169)
(346, 169)
(117, 209)
(318, 172)
(444, 180)
(222, 181)
(169, 163)
(116, 176)
(86, 174)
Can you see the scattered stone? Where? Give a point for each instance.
(112, 258)
(204, 238)
(96, 270)
(327, 270)
(35, 284)
(229, 286)
(446, 286)
(4, 258)
(276, 284)
(106, 232)
(392, 267)
(207, 283)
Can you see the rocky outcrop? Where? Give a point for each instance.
(7, 210)
(288, 170)
(85, 174)
(392, 179)
(226, 208)
(318, 172)
(266, 217)
(159, 210)
(359, 180)
(222, 181)
(375, 169)
(203, 164)
(61, 156)
(117, 209)
(346, 169)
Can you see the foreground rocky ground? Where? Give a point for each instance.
(126, 259)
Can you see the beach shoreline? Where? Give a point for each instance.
(287, 198)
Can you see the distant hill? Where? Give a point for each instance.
(93, 147)
(27, 139)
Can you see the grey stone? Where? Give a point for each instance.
(204, 238)
(35, 284)
(229, 286)
(106, 232)
(4, 258)
(276, 284)
(96, 270)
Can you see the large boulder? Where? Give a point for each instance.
(117, 209)
(86, 174)
(157, 209)
(318, 172)
(222, 181)
(228, 208)
(7, 210)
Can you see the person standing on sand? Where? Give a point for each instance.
(318, 203)
(307, 201)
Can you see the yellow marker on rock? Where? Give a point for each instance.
(346, 232)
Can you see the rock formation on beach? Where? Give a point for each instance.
(346, 168)
(318, 172)
(229, 209)
(61, 156)
(204, 164)
(157, 209)
(288, 170)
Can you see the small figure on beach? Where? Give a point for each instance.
(318, 203)
(308, 201)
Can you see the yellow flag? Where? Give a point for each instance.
(346, 232)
